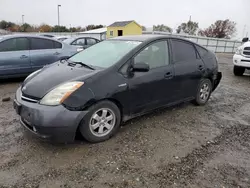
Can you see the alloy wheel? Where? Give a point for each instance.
(204, 92)
(102, 122)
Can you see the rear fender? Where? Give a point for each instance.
(216, 80)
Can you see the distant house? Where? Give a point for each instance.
(99, 34)
(123, 28)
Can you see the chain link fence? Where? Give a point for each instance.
(213, 44)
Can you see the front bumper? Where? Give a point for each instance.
(241, 61)
(53, 123)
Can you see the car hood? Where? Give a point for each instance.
(51, 76)
(246, 44)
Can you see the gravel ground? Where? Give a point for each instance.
(181, 146)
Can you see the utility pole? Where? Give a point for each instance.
(58, 14)
(22, 19)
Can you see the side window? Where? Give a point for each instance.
(57, 45)
(202, 51)
(183, 51)
(91, 41)
(16, 44)
(39, 44)
(22, 44)
(79, 42)
(155, 55)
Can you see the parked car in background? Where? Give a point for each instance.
(241, 58)
(22, 54)
(47, 35)
(113, 81)
(61, 38)
(85, 42)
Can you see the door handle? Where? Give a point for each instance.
(168, 75)
(201, 67)
(23, 56)
(56, 53)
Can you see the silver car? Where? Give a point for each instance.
(85, 42)
(22, 54)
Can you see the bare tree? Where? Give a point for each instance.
(163, 28)
(220, 29)
(189, 28)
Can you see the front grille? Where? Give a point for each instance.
(246, 53)
(29, 99)
(247, 48)
(243, 60)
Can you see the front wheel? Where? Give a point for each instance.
(101, 122)
(239, 71)
(203, 92)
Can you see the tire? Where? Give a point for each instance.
(239, 71)
(94, 126)
(203, 92)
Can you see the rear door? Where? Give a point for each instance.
(189, 68)
(43, 52)
(15, 57)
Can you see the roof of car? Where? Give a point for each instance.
(24, 35)
(143, 38)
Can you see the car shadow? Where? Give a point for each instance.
(80, 141)
(11, 80)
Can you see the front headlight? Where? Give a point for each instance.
(239, 51)
(60, 93)
(79, 49)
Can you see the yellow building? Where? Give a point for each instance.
(123, 28)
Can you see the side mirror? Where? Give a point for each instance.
(245, 39)
(140, 67)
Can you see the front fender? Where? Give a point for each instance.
(80, 100)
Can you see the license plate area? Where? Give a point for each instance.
(17, 107)
(26, 116)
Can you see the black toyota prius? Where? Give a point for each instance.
(97, 89)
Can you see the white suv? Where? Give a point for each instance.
(241, 58)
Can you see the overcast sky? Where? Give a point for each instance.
(145, 12)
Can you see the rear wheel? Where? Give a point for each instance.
(203, 92)
(239, 71)
(101, 122)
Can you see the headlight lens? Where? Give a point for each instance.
(79, 49)
(239, 51)
(60, 93)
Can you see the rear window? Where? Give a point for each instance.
(201, 51)
(57, 44)
(183, 51)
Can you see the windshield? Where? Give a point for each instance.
(105, 54)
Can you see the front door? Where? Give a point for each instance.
(155, 88)
(90, 42)
(15, 57)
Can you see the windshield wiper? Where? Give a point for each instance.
(81, 63)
